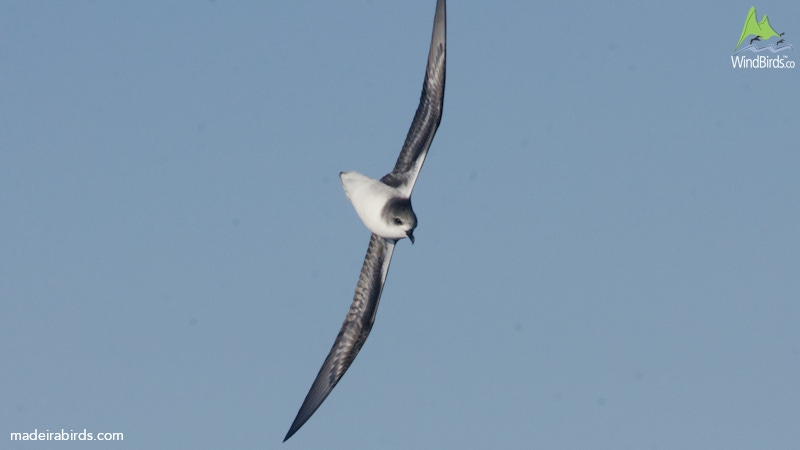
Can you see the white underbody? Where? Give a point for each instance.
(368, 197)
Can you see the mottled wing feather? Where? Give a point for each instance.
(355, 329)
(429, 112)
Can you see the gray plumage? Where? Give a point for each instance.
(396, 212)
(355, 329)
(360, 318)
(429, 112)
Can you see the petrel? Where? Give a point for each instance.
(385, 208)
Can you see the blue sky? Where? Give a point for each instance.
(607, 255)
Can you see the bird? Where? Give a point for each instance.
(757, 38)
(780, 42)
(782, 34)
(384, 206)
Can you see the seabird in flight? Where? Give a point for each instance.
(385, 208)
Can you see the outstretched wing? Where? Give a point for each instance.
(429, 111)
(355, 329)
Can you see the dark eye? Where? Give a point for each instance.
(397, 221)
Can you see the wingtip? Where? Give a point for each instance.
(292, 430)
(300, 420)
(297, 423)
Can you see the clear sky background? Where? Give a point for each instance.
(608, 254)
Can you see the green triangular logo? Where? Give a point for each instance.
(761, 30)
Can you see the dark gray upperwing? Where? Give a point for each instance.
(355, 329)
(429, 111)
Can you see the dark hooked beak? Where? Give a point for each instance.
(410, 234)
